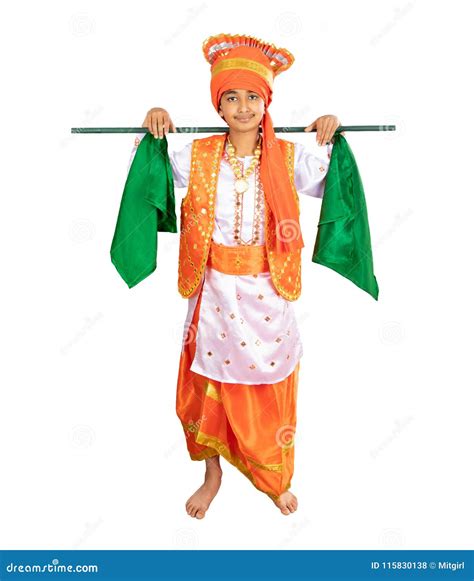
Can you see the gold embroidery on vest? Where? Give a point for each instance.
(202, 216)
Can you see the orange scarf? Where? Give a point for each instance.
(249, 67)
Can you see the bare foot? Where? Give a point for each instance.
(198, 503)
(287, 502)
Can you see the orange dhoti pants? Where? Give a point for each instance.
(251, 426)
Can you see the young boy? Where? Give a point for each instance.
(239, 267)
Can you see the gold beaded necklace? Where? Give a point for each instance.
(238, 167)
(241, 183)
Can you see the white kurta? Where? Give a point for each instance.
(247, 333)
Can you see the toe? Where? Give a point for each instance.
(200, 514)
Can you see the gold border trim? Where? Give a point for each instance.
(223, 450)
(270, 467)
(245, 64)
(211, 391)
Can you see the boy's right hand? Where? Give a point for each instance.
(158, 122)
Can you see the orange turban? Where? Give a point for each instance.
(244, 62)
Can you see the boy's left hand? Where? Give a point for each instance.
(325, 128)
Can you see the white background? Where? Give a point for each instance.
(93, 455)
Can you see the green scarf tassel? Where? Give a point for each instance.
(147, 207)
(343, 238)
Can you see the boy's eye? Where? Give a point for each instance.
(251, 96)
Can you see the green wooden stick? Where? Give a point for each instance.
(225, 129)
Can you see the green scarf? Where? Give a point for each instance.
(148, 207)
(343, 238)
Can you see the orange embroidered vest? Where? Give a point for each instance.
(197, 222)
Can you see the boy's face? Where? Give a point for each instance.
(241, 109)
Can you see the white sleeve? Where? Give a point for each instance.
(310, 171)
(181, 165)
(180, 161)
